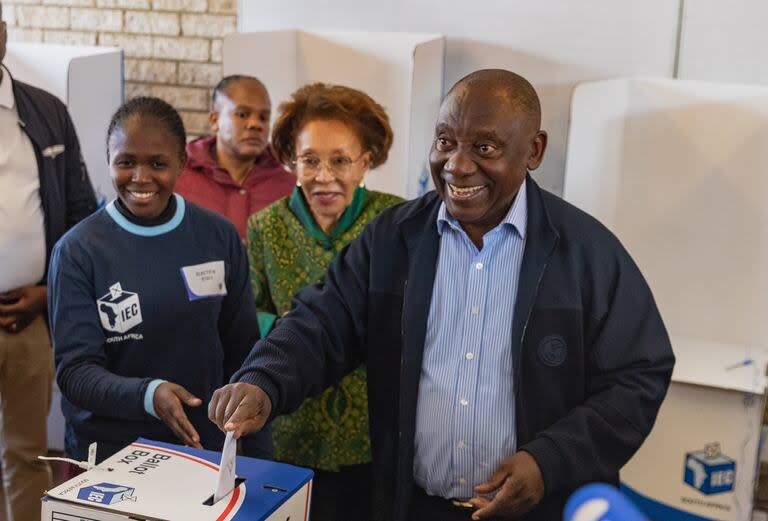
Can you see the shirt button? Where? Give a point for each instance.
(461, 444)
(470, 356)
(242, 191)
(462, 481)
(475, 310)
(479, 266)
(464, 402)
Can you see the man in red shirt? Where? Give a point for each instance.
(234, 172)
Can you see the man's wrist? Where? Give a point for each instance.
(264, 383)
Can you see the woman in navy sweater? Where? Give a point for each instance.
(150, 305)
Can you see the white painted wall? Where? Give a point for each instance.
(724, 41)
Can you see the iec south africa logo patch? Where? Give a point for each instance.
(119, 310)
(553, 350)
(710, 471)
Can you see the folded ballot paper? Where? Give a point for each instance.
(154, 481)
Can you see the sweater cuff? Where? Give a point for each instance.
(149, 395)
(264, 383)
(550, 462)
(266, 322)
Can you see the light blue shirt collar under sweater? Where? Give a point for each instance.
(465, 420)
(148, 231)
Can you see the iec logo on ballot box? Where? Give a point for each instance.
(106, 493)
(709, 471)
(119, 310)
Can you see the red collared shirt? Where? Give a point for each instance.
(206, 184)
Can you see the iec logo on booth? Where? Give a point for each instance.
(119, 310)
(106, 494)
(710, 471)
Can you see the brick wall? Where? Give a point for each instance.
(172, 47)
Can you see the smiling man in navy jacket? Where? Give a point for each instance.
(514, 350)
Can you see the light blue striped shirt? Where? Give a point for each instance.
(465, 418)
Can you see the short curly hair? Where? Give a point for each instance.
(320, 101)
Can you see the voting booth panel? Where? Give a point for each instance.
(553, 43)
(156, 481)
(401, 71)
(676, 170)
(89, 80)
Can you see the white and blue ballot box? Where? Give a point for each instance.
(156, 481)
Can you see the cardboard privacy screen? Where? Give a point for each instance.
(676, 170)
(401, 71)
(89, 80)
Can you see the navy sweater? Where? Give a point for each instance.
(111, 342)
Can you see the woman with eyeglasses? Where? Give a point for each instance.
(330, 136)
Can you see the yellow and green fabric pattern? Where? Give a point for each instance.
(287, 250)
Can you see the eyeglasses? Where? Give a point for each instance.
(309, 166)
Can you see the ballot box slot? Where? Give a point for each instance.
(274, 488)
(209, 502)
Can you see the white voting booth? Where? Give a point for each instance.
(677, 170)
(89, 80)
(401, 71)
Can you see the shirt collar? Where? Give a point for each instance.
(6, 90)
(516, 218)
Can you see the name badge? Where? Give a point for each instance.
(204, 280)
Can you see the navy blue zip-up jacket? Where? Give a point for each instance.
(581, 413)
(66, 193)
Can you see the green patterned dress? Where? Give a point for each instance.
(287, 250)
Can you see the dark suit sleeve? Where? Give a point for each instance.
(321, 339)
(629, 368)
(80, 198)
